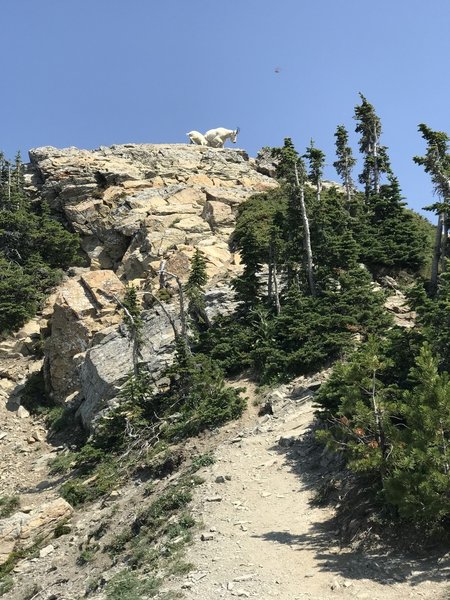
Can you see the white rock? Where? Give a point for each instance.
(43, 552)
(22, 412)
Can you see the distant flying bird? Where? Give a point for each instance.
(277, 69)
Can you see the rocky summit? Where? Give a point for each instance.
(133, 205)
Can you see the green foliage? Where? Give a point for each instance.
(387, 412)
(390, 237)
(127, 585)
(103, 477)
(316, 162)
(156, 538)
(345, 160)
(195, 291)
(62, 463)
(8, 505)
(199, 393)
(434, 317)
(203, 460)
(6, 584)
(419, 484)
(33, 249)
(376, 160)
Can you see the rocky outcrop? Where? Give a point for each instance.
(23, 530)
(134, 206)
(108, 363)
(134, 203)
(84, 306)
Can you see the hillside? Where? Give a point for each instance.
(123, 477)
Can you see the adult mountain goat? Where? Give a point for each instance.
(216, 138)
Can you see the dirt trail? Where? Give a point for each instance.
(263, 539)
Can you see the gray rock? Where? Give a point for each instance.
(108, 364)
(286, 442)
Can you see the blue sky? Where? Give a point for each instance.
(87, 73)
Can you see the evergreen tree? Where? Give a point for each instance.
(133, 320)
(195, 291)
(436, 162)
(376, 160)
(292, 170)
(388, 234)
(332, 237)
(433, 316)
(33, 249)
(316, 161)
(345, 161)
(419, 483)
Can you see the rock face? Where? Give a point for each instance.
(22, 530)
(108, 363)
(84, 305)
(133, 204)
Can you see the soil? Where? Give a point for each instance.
(261, 536)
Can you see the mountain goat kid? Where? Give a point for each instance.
(216, 138)
(197, 138)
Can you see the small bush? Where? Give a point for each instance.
(6, 584)
(8, 505)
(62, 464)
(62, 529)
(87, 554)
(126, 585)
(203, 460)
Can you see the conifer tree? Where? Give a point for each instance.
(134, 322)
(345, 161)
(195, 290)
(33, 248)
(420, 484)
(376, 160)
(388, 234)
(291, 169)
(316, 161)
(436, 162)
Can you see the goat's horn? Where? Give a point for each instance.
(238, 129)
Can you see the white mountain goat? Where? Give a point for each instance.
(216, 138)
(197, 138)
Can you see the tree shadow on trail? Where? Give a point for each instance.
(352, 543)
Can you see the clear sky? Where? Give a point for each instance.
(88, 73)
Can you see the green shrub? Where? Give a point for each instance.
(6, 584)
(62, 464)
(8, 505)
(126, 585)
(203, 460)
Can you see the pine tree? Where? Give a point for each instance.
(419, 485)
(33, 248)
(316, 161)
(388, 234)
(195, 290)
(436, 162)
(133, 320)
(292, 170)
(376, 160)
(345, 161)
